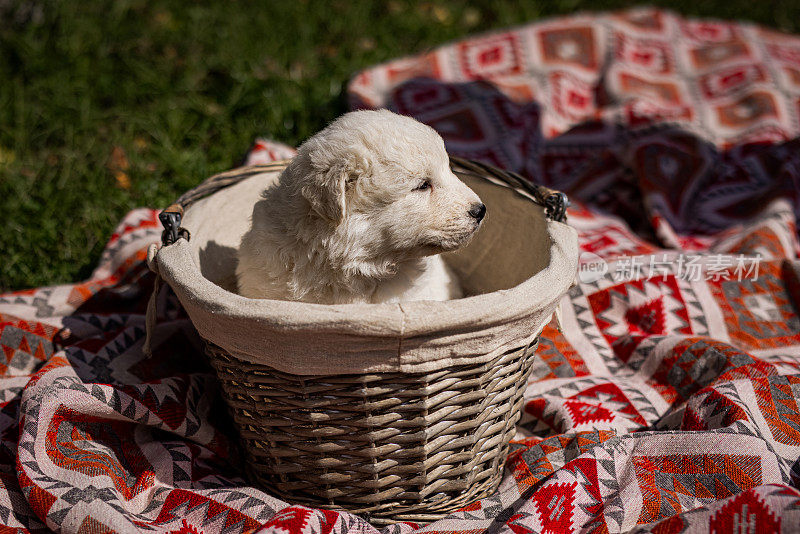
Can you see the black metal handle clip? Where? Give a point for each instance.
(556, 205)
(171, 221)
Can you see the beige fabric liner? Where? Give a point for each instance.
(516, 270)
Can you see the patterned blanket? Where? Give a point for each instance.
(668, 404)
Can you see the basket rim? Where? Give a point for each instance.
(413, 336)
(176, 265)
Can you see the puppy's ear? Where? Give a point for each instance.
(327, 192)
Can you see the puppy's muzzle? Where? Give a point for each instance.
(477, 211)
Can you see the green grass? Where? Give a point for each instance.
(182, 89)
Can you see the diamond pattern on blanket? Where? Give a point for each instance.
(758, 313)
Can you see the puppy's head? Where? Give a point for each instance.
(383, 183)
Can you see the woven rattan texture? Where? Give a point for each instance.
(396, 446)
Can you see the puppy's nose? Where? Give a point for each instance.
(477, 211)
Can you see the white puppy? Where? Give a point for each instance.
(360, 215)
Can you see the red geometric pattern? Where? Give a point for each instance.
(555, 504)
(628, 313)
(745, 509)
(762, 313)
(612, 395)
(25, 344)
(560, 357)
(491, 57)
(675, 480)
(70, 445)
(659, 402)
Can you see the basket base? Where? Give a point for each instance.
(394, 512)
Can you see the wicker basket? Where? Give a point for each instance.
(408, 424)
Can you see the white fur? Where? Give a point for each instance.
(349, 221)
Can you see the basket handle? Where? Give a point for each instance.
(555, 203)
(171, 217)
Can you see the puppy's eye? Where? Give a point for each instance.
(423, 185)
